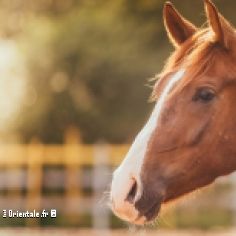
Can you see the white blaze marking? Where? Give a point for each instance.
(131, 165)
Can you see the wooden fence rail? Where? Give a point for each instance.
(72, 157)
(26, 167)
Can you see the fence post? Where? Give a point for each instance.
(12, 179)
(34, 180)
(232, 205)
(101, 212)
(72, 148)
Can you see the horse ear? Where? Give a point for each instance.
(178, 28)
(219, 25)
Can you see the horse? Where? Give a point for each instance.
(190, 138)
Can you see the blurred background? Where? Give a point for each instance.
(74, 89)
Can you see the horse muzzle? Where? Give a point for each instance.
(133, 202)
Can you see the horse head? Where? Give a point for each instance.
(189, 139)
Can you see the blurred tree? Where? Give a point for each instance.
(89, 62)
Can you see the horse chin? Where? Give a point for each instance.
(149, 216)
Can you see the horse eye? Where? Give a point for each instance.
(204, 95)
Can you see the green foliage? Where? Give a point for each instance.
(88, 63)
(106, 56)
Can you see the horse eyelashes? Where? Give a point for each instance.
(204, 94)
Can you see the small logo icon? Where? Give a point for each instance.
(53, 213)
(4, 213)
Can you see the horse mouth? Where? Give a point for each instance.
(150, 214)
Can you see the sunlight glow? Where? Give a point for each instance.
(12, 82)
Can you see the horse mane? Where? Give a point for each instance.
(198, 55)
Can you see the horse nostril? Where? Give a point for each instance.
(132, 193)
